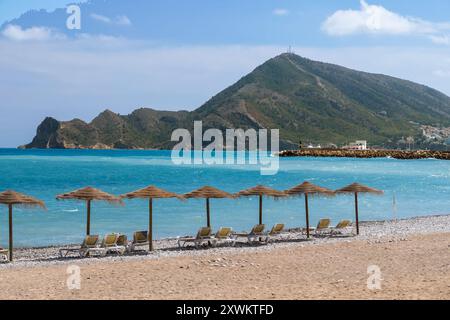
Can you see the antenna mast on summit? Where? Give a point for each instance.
(290, 50)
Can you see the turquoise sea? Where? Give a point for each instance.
(420, 187)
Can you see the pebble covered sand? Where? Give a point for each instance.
(412, 258)
(371, 232)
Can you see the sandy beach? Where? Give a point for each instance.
(412, 255)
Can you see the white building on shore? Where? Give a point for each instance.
(357, 145)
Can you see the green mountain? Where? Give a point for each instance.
(305, 99)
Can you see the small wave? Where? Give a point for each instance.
(71, 210)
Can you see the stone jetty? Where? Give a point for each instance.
(341, 153)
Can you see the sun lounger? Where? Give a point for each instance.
(341, 227)
(224, 235)
(110, 244)
(4, 254)
(122, 241)
(276, 231)
(140, 238)
(323, 227)
(203, 236)
(256, 235)
(90, 242)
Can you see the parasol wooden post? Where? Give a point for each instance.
(88, 222)
(10, 232)
(208, 214)
(260, 209)
(150, 225)
(307, 215)
(356, 213)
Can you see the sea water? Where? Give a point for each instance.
(420, 187)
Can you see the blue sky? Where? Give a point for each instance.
(177, 54)
(10, 9)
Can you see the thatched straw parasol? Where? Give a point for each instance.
(357, 188)
(208, 193)
(261, 191)
(150, 193)
(12, 198)
(89, 194)
(306, 189)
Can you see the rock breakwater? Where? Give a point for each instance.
(341, 153)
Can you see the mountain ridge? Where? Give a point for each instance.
(307, 100)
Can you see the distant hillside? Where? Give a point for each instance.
(306, 100)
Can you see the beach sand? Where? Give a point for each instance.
(412, 267)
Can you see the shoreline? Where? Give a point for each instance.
(288, 230)
(371, 231)
(366, 154)
(413, 263)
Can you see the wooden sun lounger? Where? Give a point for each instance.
(203, 236)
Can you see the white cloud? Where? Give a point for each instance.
(88, 38)
(375, 19)
(442, 73)
(443, 39)
(369, 19)
(16, 33)
(280, 12)
(121, 20)
(100, 18)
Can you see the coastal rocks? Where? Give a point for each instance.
(341, 153)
